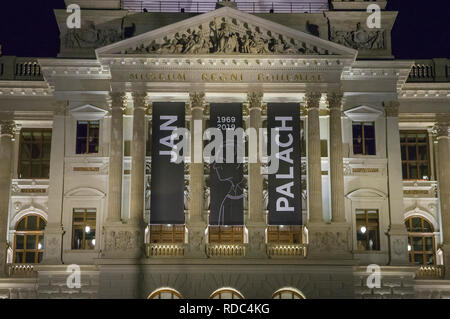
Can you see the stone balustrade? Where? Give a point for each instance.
(225, 250)
(435, 70)
(430, 272)
(20, 69)
(291, 250)
(165, 250)
(21, 270)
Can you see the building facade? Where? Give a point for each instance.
(77, 178)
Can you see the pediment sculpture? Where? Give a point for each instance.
(225, 35)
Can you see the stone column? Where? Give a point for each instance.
(196, 224)
(336, 161)
(54, 230)
(256, 223)
(314, 160)
(443, 169)
(398, 235)
(6, 148)
(127, 241)
(115, 159)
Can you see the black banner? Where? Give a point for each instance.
(285, 202)
(227, 179)
(167, 177)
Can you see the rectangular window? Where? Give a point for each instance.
(415, 159)
(34, 153)
(87, 137)
(83, 228)
(364, 138)
(367, 229)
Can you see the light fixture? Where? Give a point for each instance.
(409, 247)
(363, 229)
(39, 246)
(93, 242)
(87, 229)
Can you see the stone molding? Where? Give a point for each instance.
(7, 128)
(391, 108)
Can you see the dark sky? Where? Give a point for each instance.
(422, 29)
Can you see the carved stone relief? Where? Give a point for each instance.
(359, 38)
(224, 36)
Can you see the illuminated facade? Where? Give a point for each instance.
(78, 177)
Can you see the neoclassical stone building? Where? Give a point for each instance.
(82, 182)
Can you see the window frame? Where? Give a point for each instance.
(219, 292)
(277, 294)
(82, 226)
(417, 162)
(363, 139)
(423, 235)
(28, 233)
(368, 227)
(87, 136)
(158, 292)
(41, 161)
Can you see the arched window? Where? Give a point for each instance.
(165, 293)
(421, 241)
(226, 293)
(29, 239)
(288, 293)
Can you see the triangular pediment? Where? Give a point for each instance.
(363, 113)
(88, 112)
(226, 31)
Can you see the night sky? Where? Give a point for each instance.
(422, 29)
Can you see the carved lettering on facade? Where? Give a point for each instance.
(86, 169)
(365, 170)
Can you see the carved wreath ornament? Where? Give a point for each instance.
(225, 36)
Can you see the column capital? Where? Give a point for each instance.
(391, 108)
(140, 100)
(440, 128)
(197, 100)
(254, 100)
(7, 127)
(118, 100)
(312, 99)
(334, 100)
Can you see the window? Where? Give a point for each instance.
(288, 293)
(364, 138)
(421, 241)
(226, 293)
(29, 239)
(414, 147)
(34, 153)
(83, 228)
(165, 293)
(87, 137)
(367, 229)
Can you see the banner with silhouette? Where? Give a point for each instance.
(167, 177)
(285, 201)
(227, 178)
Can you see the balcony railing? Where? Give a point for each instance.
(21, 270)
(317, 6)
(20, 69)
(430, 272)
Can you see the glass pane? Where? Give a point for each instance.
(35, 169)
(403, 152)
(423, 152)
(418, 259)
(412, 153)
(81, 146)
(46, 151)
(405, 171)
(402, 137)
(427, 227)
(428, 243)
(41, 242)
(369, 130)
(19, 258)
(373, 239)
(77, 239)
(422, 137)
(416, 224)
(30, 257)
(411, 138)
(90, 239)
(25, 151)
(21, 225)
(413, 171)
(357, 138)
(30, 242)
(370, 146)
(42, 224)
(93, 145)
(40, 256)
(26, 135)
(36, 151)
(430, 259)
(45, 173)
(407, 225)
(47, 135)
(36, 136)
(82, 129)
(32, 222)
(424, 171)
(417, 244)
(19, 241)
(226, 295)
